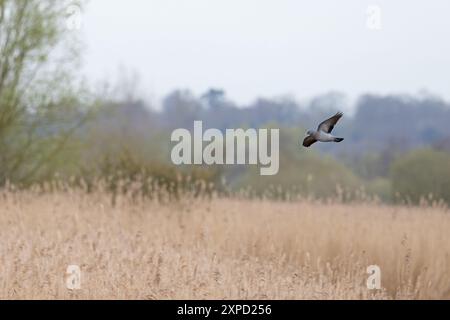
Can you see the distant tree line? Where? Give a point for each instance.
(380, 134)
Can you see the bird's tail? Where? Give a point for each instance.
(338, 139)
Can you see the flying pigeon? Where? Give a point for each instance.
(323, 133)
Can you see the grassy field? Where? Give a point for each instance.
(220, 248)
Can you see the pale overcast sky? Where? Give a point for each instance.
(269, 48)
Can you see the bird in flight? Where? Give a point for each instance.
(323, 132)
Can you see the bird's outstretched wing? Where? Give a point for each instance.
(328, 125)
(309, 140)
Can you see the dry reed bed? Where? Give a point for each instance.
(220, 248)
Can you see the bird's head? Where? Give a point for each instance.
(309, 132)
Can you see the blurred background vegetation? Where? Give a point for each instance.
(396, 148)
